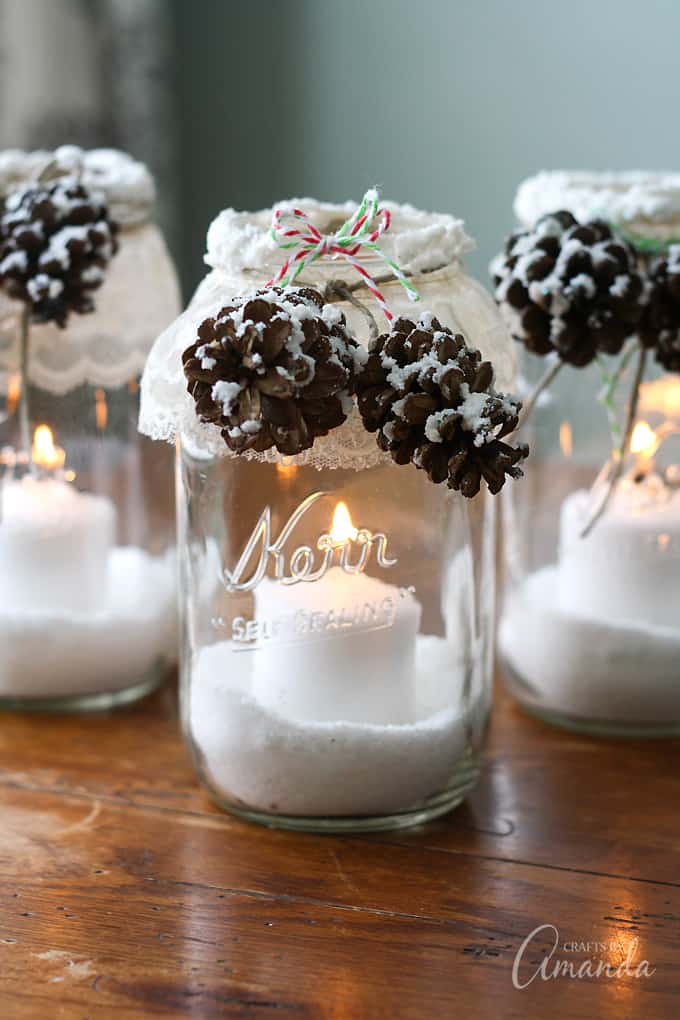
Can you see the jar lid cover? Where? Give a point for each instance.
(238, 242)
(646, 202)
(418, 241)
(127, 184)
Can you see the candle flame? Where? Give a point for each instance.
(44, 453)
(342, 529)
(566, 439)
(644, 441)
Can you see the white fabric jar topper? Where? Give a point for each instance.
(642, 203)
(138, 297)
(244, 255)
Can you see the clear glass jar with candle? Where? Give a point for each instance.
(337, 641)
(87, 591)
(590, 629)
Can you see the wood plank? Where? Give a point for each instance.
(561, 800)
(546, 797)
(170, 914)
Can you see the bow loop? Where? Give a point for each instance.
(294, 231)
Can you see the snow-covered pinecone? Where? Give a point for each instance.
(431, 400)
(569, 287)
(56, 241)
(660, 325)
(273, 369)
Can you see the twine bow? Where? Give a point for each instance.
(294, 230)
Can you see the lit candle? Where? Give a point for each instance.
(628, 566)
(54, 540)
(597, 635)
(342, 647)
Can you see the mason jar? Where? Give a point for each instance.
(337, 610)
(87, 589)
(590, 630)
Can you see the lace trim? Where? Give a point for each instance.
(168, 412)
(138, 298)
(350, 447)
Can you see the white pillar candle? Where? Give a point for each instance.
(342, 647)
(628, 567)
(597, 636)
(54, 545)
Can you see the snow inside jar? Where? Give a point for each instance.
(590, 628)
(337, 605)
(87, 593)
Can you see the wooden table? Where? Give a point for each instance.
(126, 895)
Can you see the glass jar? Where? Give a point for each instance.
(87, 590)
(590, 630)
(337, 636)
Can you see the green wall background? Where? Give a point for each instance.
(447, 104)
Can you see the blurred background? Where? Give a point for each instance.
(446, 105)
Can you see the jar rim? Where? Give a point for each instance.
(646, 202)
(321, 272)
(240, 241)
(126, 183)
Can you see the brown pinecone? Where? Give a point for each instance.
(569, 287)
(56, 241)
(660, 325)
(275, 368)
(431, 400)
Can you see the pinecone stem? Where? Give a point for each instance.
(48, 173)
(610, 384)
(620, 454)
(543, 383)
(53, 170)
(389, 277)
(340, 289)
(24, 416)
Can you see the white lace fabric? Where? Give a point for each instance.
(138, 298)
(109, 346)
(168, 411)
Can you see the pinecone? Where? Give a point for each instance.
(660, 325)
(275, 368)
(56, 241)
(431, 400)
(569, 287)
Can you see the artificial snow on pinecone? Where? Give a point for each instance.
(569, 287)
(273, 369)
(56, 241)
(431, 400)
(660, 325)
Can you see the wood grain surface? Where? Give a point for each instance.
(125, 894)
